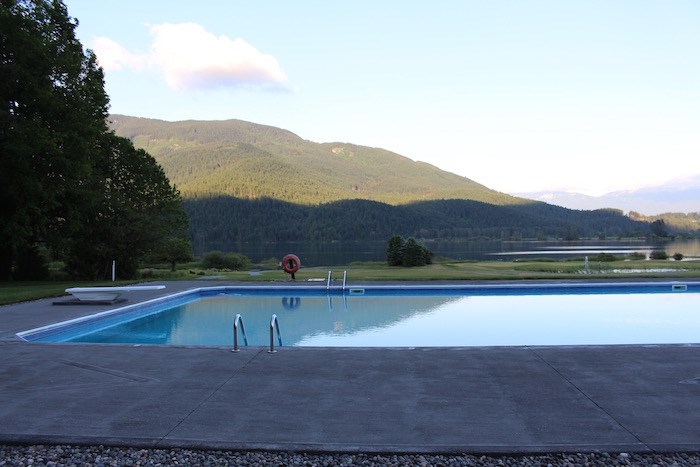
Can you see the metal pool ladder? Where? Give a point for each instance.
(238, 322)
(274, 324)
(345, 280)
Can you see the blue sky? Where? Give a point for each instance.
(587, 96)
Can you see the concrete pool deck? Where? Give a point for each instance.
(438, 400)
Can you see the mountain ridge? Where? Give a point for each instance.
(243, 181)
(252, 161)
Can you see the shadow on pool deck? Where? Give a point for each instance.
(448, 400)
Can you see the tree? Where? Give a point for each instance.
(176, 250)
(66, 181)
(133, 212)
(394, 251)
(53, 109)
(413, 254)
(407, 253)
(658, 228)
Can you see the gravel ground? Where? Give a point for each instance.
(108, 456)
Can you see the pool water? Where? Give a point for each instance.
(403, 318)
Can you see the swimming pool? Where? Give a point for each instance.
(408, 316)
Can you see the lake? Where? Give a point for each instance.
(341, 253)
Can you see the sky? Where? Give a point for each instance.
(588, 96)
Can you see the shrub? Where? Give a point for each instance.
(413, 254)
(59, 275)
(407, 253)
(213, 260)
(219, 260)
(678, 256)
(603, 257)
(147, 273)
(658, 254)
(637, 255)
(237, 262)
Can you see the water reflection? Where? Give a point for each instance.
(291, 303)
(688, 248)
(411, 321)
(535, 320)
(340, 253)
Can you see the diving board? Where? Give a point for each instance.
(107, 294)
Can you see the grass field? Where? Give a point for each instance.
(13, 292)
(461, 270)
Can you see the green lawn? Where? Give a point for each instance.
(13, 292)
(503, 270)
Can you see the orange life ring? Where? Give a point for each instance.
(291, 264)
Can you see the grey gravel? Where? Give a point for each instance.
(41, 455)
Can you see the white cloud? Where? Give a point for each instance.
(113, 57)
(191, 58)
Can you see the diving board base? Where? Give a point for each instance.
(77, 301)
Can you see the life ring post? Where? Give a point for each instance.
(291, 264)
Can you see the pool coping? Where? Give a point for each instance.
(34, 334)
(479, 400)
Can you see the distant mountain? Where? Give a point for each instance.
(679, 195)
(250, 161)
(244, 182)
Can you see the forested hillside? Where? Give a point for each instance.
(677, 222)
(244, 182)
(218, 223)
(251, 161)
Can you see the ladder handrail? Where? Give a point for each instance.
(274, 323)
(238, 322)
(330, 278)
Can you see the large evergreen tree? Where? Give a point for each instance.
(133, 211)
(65, 179)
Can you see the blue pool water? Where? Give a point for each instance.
(496, 315)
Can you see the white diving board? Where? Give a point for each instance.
(107, 294)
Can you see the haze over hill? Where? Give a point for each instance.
(679, 195)
(251, 161)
